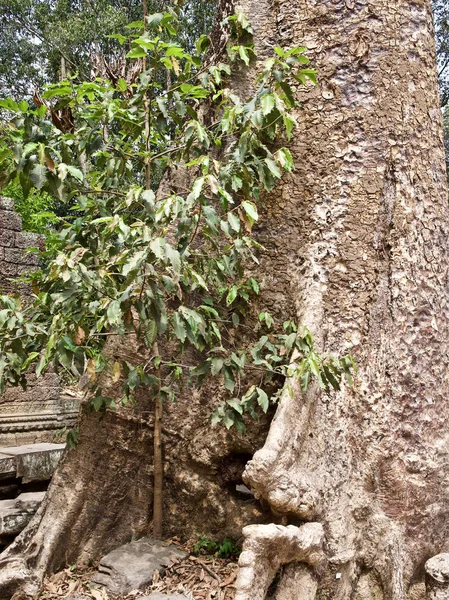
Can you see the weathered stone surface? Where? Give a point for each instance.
(268, 547)
(131, 567)
(18, 255)
(10, 220)
(37, 415)
(6, 203)
(6, 238)
(7, 466)
(33, 462)
(26, 239)
(16, 514)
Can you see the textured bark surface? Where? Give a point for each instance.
(269, 547)
(359, 238)
(356, 246)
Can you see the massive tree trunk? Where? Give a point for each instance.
(360, 232)
(356, 245)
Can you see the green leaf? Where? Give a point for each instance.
(197, 188)
(29, 360)
(150, 332)
(274, 167)
(136, 52)
(236, 405)
(289, 124)
(114, 312)
(232, 295)
(155, 19)
(41, 365)
(243, 54)
(174, 258)
(176, 51)
(134, 25)
(38, 176)
(284, 158)
(262, 399)
(157, 246)
(228, 378)
(76, 173)
(57, 90)
(251, 210)
(9, 104)
(279, 51)
(314, 367)
(234, 221)
(179, 327)
(122, 85)
(217, 365)
(267, 103)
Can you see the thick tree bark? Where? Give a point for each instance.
(360, 232)
(357, 247)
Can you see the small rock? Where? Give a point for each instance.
(131, 567)
(15, 514)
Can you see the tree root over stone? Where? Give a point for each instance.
(268, 547)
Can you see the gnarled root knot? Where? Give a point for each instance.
(267, 547)
(16, 580)
(437, 577)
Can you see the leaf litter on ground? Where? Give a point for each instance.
(197, 577)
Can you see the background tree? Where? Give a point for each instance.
(441, 15)
(40, 38)
(43, 42)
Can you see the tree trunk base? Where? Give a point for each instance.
(267, 548)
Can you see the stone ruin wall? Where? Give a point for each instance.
(42, 412)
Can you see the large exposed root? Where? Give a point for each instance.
(270, 474)
(268, 547)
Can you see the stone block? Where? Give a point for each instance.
(35, 462)
(7, 466)
(6, 203)
(16, 514)
(37, 415)
(29, 500)
(9, 269)
(25, 239)
(7, 238)
(10, 220)
(131, 567)
(19, 256)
